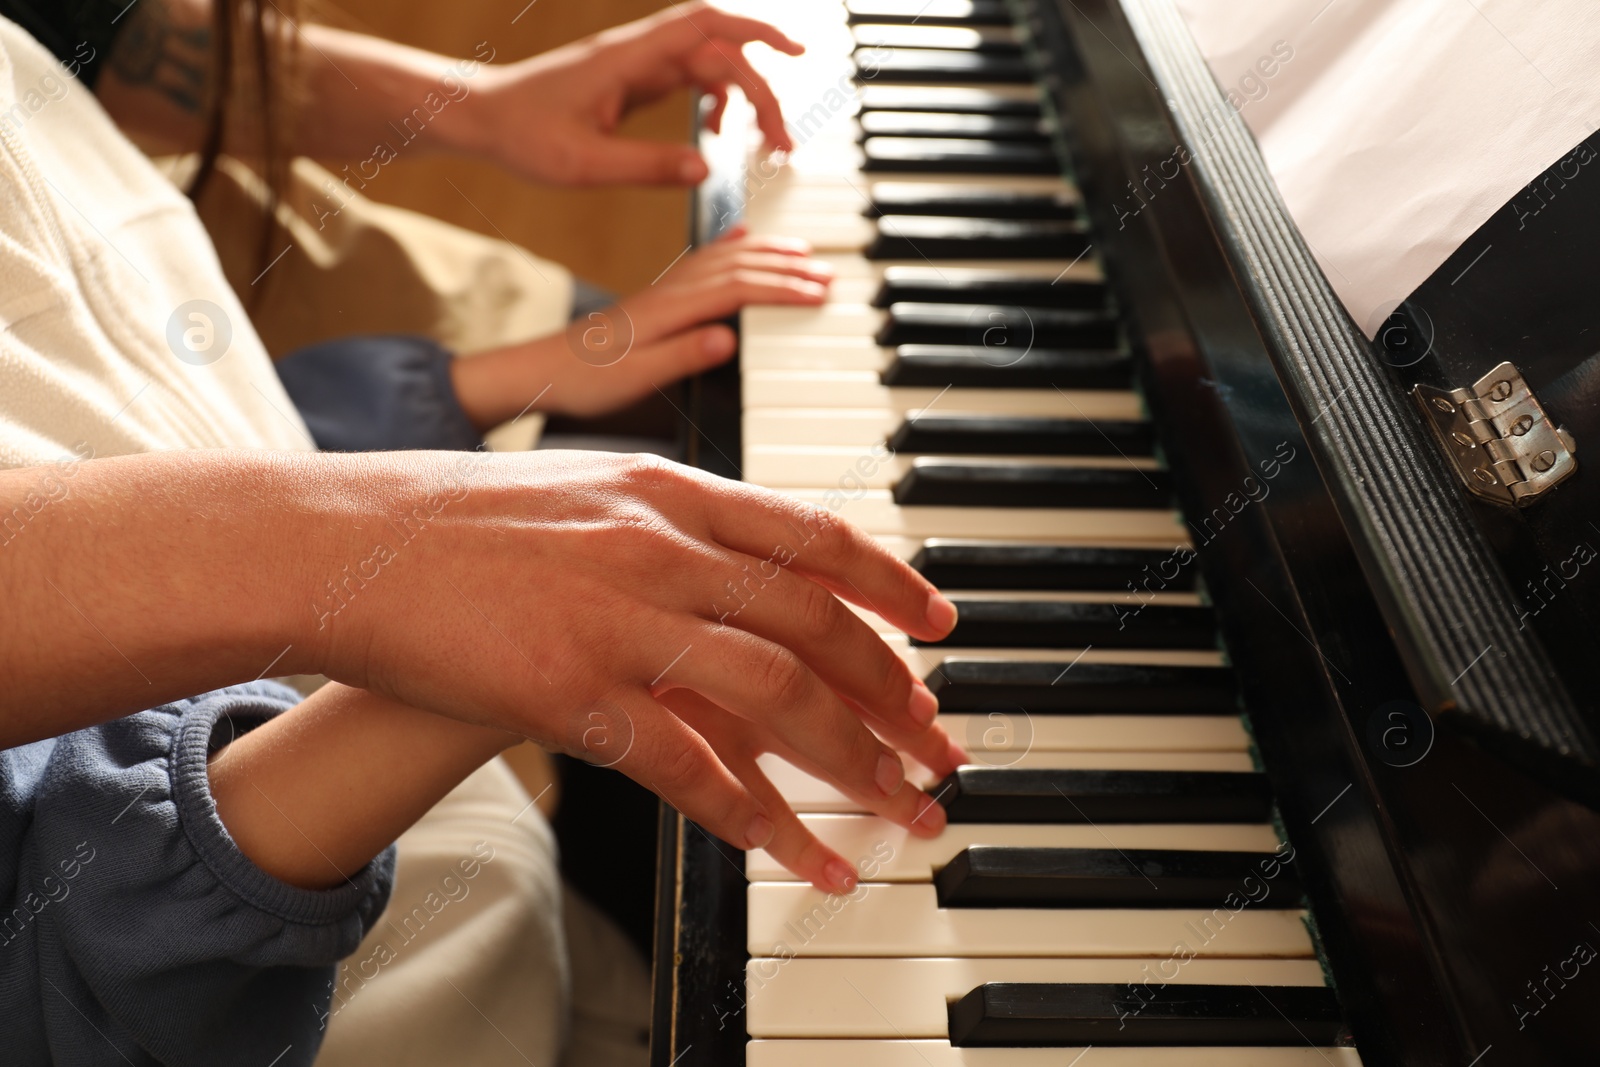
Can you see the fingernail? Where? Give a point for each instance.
(891, 774)
(932, 819)
(691, 170)
(957, 755)
(941, 613)
(841, 878)
(759, 833)
(924, 705)
(814, 289)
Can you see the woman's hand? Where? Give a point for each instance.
(553, 118)
(646, 616)
(610, 358)
(550, 119)
(632, 611)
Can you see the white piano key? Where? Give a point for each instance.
(773, 179)
(822, 159)
(906, 547)
(826, 231)
(1096, 596)
(884, 852)
(996, 737)
(1061, 596)
(952, 37)
(1085, 269)
(858, 289)
(861, 389)
(904, 920)
(859, 427)
(925, 661)
(841, 998)
(786, 201)
(833, 319)
(815, 352)
(810, 795)
(799, 466)
(875, 511)
(1046, 185)
(902, 1053)
(857, 280)
(868, 428)
(949, 98)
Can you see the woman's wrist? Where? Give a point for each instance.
(501, 384)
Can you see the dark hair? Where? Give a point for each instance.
(254, 93)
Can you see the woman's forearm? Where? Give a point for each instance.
(363, 96)
(313, 795)
(132, 581)
(376, 100)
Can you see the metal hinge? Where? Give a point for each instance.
(1497, 437)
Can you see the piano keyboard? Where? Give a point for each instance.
(1110, 877)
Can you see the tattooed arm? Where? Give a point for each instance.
(551, 118)
(156, 78)
(159, 76)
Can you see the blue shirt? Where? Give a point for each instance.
(133, 929)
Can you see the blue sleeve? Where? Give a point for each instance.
(378, 393)
(149, 936)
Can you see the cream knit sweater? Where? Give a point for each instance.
(118, 332)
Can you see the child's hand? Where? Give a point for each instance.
(610, 358)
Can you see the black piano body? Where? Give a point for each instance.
(1427, 723)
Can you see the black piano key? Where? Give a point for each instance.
(990, 39)
(1017, 435)
(970, 684)
(989, 876)
(929, 12)
(1010, 367)
(988, 565)
(951, 124)
(965, 100)
(975, 794)
(1050, 1015)
(1001, 623)
(971, 202)
(949, 285)
(976, 483)
(998, 325)
(938, 237)
(956, 155)
(937, 66)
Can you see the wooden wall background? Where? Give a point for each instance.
(619, 238)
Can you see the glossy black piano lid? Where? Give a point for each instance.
(1454, 894)
(1522, 289)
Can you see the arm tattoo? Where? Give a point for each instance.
(153, 50)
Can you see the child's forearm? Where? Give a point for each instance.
(312, 796)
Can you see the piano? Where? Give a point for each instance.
(1275, 761)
